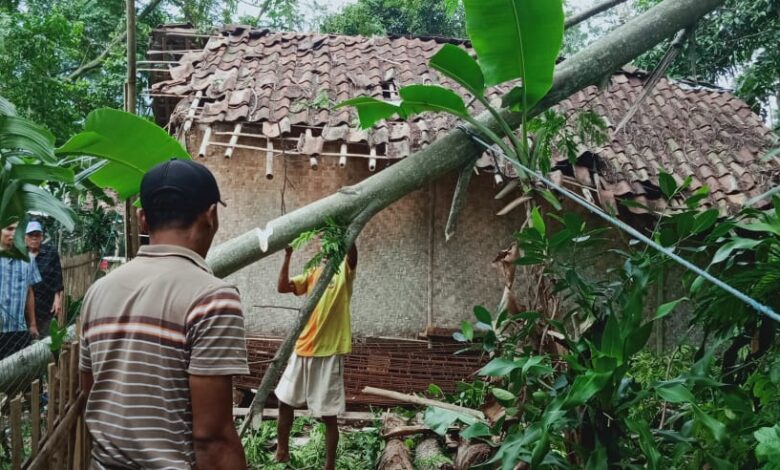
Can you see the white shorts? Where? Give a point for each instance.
(314, 382)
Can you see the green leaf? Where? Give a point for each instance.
(439, 420)
(668, 184)
(715, 427)
(675, 393)
(550, 198)
(41, 173)
(667, 308)
(763, 227)
(435, 390)
(646, 442)
(513, 98)
(771, 154)
(637, 339)
(479, 429)
(537, 221)
(699, 195)
(421, 98)
(483, 315)
(736, 244)
(705, 220)
(457, 64)
(517, 39)
(371, 110)
(768, 447)
(7, 108)
(467, 330)
(611, 340)
(20, 134)
(131, 144)
(36, 199)
(585, 386)
(499, 367)
(503, 395)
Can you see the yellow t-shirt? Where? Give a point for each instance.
(329, 330)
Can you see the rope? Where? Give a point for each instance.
(764, 309)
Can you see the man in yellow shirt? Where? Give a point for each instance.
(315, 374)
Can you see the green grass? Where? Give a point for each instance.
(357, 449)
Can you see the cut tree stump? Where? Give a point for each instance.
(429, 456)
(472, 454)
(396, 454)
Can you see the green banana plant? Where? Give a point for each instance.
(516, 41)
(27, 161)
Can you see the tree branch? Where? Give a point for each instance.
(578, 18)
(120, 36)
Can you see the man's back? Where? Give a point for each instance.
(147, 327)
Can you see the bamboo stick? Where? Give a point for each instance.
(205, 143)
(63, 381)
(343, 155)
(499, 179)
(73, 382)
(17, 448)
(35, 417)
(313, 163)
(269, 159)
(51, 408)
(191, 112)
(322, 154)
(512, 185)
(415, 400)
(233, 141)
(372, 159)
(512, 205)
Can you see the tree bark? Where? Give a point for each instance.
(471, 455)
(395, 456)
(456, 149)
(429, 456)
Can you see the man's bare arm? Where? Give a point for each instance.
(29, 309)
(216, 441)
(285, 286)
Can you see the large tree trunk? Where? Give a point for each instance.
(456, 149)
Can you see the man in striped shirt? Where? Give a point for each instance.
(162, 338)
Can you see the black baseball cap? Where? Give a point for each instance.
(179, 185)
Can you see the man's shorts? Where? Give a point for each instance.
(314, 382)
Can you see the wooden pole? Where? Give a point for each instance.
(415, 400)
(131, 220)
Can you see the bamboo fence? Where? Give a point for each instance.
(54, 436)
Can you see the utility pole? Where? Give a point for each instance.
(131, 219)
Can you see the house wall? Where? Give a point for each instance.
(397, 249)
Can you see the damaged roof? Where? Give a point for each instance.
(280, 82)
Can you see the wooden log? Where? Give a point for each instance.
(35, 417)
(233, 141)
(53, 442)
(395, 456)
(73, 379)
(62, 379)
(17, 448)
(429, 456)
(343, 155)
(471, 455)
(415, 400)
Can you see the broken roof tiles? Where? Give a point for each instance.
(281, 80)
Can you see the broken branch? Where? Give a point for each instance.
(415, 400)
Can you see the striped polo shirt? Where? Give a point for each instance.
(147, 327)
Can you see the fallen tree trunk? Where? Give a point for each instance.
(456, 149)
(395, 456)
(471, 455)
(18, 370)
(429, 456)
(415, 400)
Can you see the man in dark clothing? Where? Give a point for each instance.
(48, 292)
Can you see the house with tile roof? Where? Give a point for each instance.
(257, 108)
